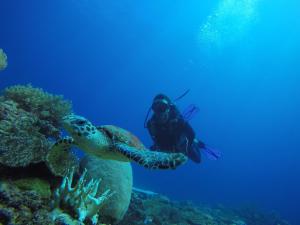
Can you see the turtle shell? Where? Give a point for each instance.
(121, 135)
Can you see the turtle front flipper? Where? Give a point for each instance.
(60, 158)
(63, 144)
(151, 159)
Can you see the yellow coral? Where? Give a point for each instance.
(3, 60)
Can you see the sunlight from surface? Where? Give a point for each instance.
(228, 23)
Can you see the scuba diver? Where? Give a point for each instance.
(171, 132)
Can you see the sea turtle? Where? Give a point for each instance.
(112, 142)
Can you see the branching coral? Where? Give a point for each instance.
(48, 108)
(3, 60)
(83, 198)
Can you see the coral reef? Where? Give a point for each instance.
(28, 118)
(256, 216)
(116, 176)
(22, 207)
(147, 207)
(40, 186)
(83, 199)
(3, 60)
(19, 207)
(21, 142)
(48, 108)
(154, 209)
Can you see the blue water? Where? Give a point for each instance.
(111, 57)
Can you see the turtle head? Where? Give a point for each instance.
(85, 134)
(78, 126)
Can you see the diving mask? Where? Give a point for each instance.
(160, 106)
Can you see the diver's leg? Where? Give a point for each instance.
(182, 145)
(194, 152)
(211, 154)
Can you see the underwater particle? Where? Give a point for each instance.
(229, 22)
(3, 59)
(83, 198)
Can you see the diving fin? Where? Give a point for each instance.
(211, 154)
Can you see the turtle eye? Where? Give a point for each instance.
(81, 122)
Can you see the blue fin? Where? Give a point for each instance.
(190, 112)
(211, 154)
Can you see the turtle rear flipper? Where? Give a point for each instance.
(151, 159)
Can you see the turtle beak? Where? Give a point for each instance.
(67, 122)
(73, 123)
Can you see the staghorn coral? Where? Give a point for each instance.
(48, 108)
(83, 198)
(116, 176)
(21, 142)
(3, 60)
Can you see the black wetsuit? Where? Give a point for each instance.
(175, 135)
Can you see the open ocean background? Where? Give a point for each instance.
(240, 58)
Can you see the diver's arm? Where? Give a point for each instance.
(188, 130)
(185, 136)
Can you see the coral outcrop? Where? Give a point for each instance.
(40, 186)
(29, 117)
(3, 60)
(48, 108)
(83, 199)
(154, 209)
(22, 207)
(21, 142)
(116, 176)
